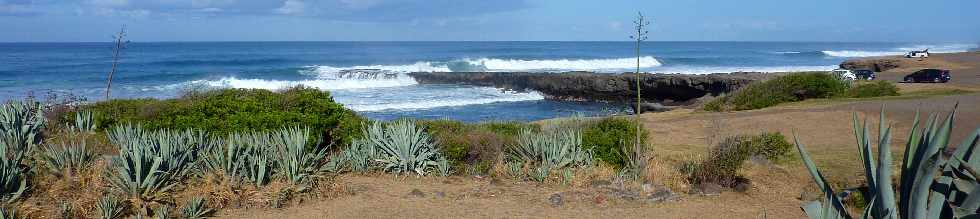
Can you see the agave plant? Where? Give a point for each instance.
(402, 147)
(13, 177)
(20, 127)
(360, 155)
(162, 212)
(149, 164)
(560, 148)
(85, 121)
(244, 156)
(931, 185)
(67, 158)
(110, 208)
(294, 160)
(66, 211)
(195, 208)
(10, 214)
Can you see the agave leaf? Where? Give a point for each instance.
(834, 203)
(885, 196)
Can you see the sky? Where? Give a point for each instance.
(496, 20)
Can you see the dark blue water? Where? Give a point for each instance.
(163, 70)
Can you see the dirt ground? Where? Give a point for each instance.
(777, 189)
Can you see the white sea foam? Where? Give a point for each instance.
(494, 64)
(934, 48)
(563, 64)
(323, 84)
(456, 97)
(858, 53)
(697, 70)
(415, 67)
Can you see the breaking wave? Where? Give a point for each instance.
(697, 70)
(425, 99)
(494, 64)
(323, 84)
(563, 64)
(943, 48)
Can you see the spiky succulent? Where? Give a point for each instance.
(195, 208)
(559, 148)
(85, 121)
(931, 184)
(149, 164)
(67, 158)
(297, 162)
(110, 208)
(20, 128)
(11, 213)
(243, 156)
(402, 147)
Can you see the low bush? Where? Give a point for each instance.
(606, 136)
(771, 145)
(473, 148)
(723, 162)
(225, 111)
(782, 89)
(873, 89)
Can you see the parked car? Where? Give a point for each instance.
(931, 75)
(918, 54)
(844, 74)
(864, 74)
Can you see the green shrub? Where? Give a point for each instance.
(782, 89)
(771, 145)
(873, 89)
(723, 162)
(473, 147)
(605, 138)
(226, 111)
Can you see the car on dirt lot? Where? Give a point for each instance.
(918, 54)
(929, 75)
(864, 74)
(844, 74)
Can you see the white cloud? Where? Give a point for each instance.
(293, 7)
(616, 25)
(108, 3)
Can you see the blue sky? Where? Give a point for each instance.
(326, 20)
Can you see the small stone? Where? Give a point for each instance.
(600, 183)
(599, 199)
(440, 194)
(709, 189)
(417, 193)
(496, 181)
(661, 196)
(647, 187)
(556, 200)
(742, 186)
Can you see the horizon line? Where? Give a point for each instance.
(444, 41)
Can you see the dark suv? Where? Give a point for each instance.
(933, 75)
(864, 74)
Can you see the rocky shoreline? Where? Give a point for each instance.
(668, 89)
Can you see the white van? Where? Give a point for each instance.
(918, 54)
(844, 74)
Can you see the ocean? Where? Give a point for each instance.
(166, 69)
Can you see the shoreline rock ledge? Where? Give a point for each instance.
(669, 89)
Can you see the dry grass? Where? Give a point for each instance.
(82, 191)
